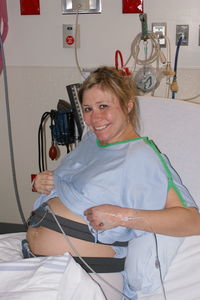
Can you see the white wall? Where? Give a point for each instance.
(39, 68)
(37, 40)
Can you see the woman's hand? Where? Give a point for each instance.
(173, 221)
(104, 216)
(43, 182)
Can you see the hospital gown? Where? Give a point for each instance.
(131, 174)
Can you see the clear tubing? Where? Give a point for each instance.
(135, 49)
(10, 134)
(155, 54)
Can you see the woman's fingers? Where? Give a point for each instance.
(44, 182)
(103, 217)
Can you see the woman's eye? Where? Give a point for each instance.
(87, 109)
(103, 106)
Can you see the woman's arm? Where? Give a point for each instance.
(173, 220)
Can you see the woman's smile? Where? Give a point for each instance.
(100, 127)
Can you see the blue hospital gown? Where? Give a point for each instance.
(130, 174)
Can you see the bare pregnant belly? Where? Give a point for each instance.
(44, 241)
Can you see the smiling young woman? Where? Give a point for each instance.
(114, 187)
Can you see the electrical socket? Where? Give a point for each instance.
(182, 30)
(160, 30)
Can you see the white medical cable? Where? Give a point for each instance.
(48, 208)
(157, 77)
(190, 99)
(38, 223)
(75, 46)
(168, 71)
(157, 264)
(26, 246)
(157, 261)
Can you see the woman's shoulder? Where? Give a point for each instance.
(143, 148)
(144, 155)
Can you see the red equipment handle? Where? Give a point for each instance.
(123, 70)
(118, 55)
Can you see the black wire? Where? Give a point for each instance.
(176, 63)
(40, 142)
(68, 148)
(42, 145)
(39, 150)
(44, 167)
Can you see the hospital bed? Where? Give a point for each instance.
(175, 127)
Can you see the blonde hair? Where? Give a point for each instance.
(123, 87)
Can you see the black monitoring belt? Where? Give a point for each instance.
(41, 217)
(71, 228)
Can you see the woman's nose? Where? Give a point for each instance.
(96, 115)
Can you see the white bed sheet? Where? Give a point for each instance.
(52, 278)
(62, 278)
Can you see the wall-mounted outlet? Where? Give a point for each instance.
(70, 33)
(182, 31)
(160, 30)
(81, 6)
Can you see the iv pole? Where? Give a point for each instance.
(10, 133)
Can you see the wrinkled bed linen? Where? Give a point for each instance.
(52, 278)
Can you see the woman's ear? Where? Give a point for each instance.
(130, 105)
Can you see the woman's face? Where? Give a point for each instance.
(103, 114)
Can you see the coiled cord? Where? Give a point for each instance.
(155, 52)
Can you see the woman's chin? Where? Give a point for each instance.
(103, 141)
